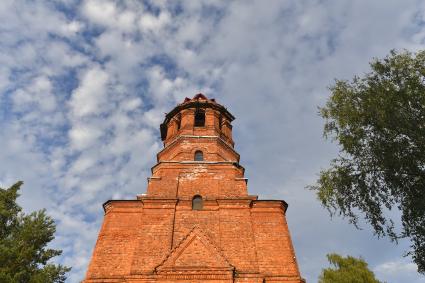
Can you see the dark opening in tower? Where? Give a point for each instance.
(199, 156)
(200, 118)
(197, 203)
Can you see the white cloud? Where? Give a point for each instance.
(73, 27)
(100, 12)
(395, 267)
(398, 270)
(38, 93)
(151, 23)
(83, 136)
(90, 96)
(63, 55)
(109, 14)
(4, 78)
(82, 164)
(132, 104)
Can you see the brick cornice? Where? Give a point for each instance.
(212, 163)
(265, 205)
(179, 137)
(122, 203)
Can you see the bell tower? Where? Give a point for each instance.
(198, 156)
(196, 222)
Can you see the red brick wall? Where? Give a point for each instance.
(272, 239)
(117, 240)
(159, 238)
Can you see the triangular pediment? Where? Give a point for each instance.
(195, 252)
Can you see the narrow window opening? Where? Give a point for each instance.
(197, 203)
(179, 122)
(220, 121)
(199, 156)
(199, 118)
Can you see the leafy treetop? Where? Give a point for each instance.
(23, 243)
(347, 269)
(379, 122)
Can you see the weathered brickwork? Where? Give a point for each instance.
(164, 236)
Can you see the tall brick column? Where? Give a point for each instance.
(196, 223)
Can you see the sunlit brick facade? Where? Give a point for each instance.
(196, 223)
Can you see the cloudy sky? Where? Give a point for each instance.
(84, 86)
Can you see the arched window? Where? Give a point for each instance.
(197, 203)
(199, 118)
(199, 156)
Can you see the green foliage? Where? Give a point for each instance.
(379, 122)
(347, 270)
(23, 240)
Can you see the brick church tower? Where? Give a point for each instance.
(196, 223)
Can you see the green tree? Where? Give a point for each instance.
(347, 270)
(23, 239)
(379, 122)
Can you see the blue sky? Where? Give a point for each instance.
(85, 84)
